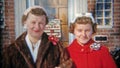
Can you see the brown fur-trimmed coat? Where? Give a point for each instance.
(17, 55)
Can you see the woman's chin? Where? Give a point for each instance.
(84, 42)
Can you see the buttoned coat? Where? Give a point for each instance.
(89, 57)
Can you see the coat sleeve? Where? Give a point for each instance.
(6, 58)
(107, 60)
(65, 60)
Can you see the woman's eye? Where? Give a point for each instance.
(80, 30)
(33, 22)
(41, 23)
(87, 30)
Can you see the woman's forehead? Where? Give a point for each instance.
(33, 15)
(83, 26)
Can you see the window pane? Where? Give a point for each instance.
(99, 6)
(107, 21)
(107, 14)
(51, 12)
(107, 0)
(99, 13)
(99, 0)
(1, 21)
(107, 5)
(99, 21)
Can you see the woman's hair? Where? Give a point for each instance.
(82, 20)
(38, 11)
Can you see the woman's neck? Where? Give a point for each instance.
(80, 43)
(33, 39)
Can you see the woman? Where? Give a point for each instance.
(85, 52)
(34, 48)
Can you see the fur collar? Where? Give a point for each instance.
(21, 45)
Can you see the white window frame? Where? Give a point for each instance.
(103, 17)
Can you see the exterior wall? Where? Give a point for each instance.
(8, 32)
(114, 32)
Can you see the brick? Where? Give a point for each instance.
(8, 32)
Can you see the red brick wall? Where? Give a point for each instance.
(8, 33)
(113, 33)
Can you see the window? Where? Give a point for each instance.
(2, 14)
(104, 13)
(29, 3)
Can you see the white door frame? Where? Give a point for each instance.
(20, 7)
(75, 7)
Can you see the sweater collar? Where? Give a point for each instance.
(86, 44)
(83, 49)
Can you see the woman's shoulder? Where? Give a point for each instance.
(9, 47)
(69, 47)
(104, 47)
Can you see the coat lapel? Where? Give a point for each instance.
(22, 47)
(42, 50)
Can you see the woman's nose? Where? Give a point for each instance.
(83, 33)
(37, 26)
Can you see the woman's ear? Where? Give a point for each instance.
(25, 26)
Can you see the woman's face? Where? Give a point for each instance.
(35, 25)
(83, 33)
